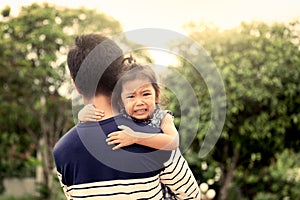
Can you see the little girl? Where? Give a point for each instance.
(137, 96)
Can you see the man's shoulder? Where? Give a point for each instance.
(67, 139)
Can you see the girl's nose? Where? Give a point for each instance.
(139, 102)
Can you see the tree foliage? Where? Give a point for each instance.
(35, 110)
(260, 67)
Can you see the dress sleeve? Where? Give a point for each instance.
(158, 116)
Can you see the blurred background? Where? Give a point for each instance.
(255, 46)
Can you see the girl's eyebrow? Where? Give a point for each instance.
(128, 93)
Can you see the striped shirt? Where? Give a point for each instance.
(89, 169)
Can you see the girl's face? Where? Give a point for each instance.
(138, 97)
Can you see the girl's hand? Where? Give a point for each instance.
(124, 137)
(90, 114)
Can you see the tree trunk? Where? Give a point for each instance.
(44, 175)
(52, 127)
(229, 175)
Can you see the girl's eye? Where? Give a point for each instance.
(147, 94)
(130, 97)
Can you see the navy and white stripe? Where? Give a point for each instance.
(143, 188)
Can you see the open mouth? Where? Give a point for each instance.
(140, 111)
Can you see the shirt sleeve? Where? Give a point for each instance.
(64, 187)
(179, 178)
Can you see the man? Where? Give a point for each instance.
(87, 167)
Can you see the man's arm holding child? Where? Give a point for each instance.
(179, 178)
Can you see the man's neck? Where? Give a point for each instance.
(102, 103)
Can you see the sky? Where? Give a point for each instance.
(173, 14)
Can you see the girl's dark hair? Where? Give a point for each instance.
(135, 71)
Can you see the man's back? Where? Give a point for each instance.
(90, 169)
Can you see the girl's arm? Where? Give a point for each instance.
(168, 140)
(90, 114)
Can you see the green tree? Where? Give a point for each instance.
(35, 110)
(260, 67)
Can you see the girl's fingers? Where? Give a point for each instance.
(114, 134)
(99, 112)
(88, 119)
(91, 116)
(117, 147)
(99, 115)
(92, 110)
(111, 138)
(113, 142)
